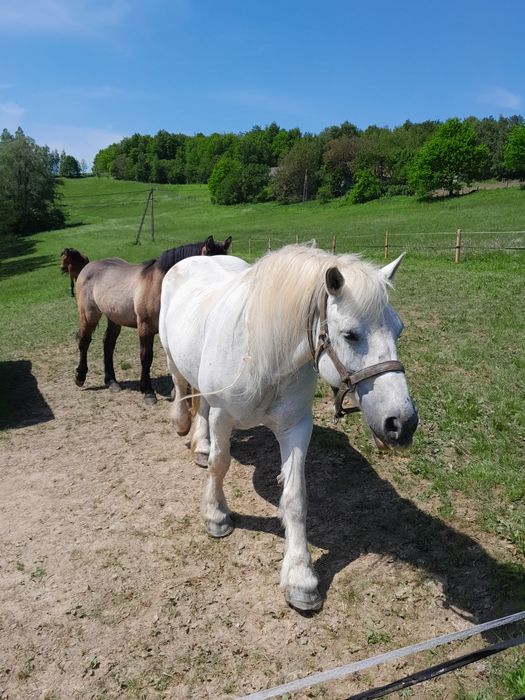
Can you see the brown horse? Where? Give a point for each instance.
(71, 262)
(128, 295)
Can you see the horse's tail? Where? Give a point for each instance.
(195, 402)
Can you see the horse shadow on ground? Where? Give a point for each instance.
(21, 402)
(352, 511)
(163, 386)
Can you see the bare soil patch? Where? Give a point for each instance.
(110, 587)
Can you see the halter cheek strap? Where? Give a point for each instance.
(349, 378)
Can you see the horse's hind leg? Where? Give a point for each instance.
(146, 338)
(200, 440)
(214, 509)
(110, 339)
(179, 412)
(87, 326)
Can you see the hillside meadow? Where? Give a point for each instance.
(462, 345)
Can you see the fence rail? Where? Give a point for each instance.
(455, 244)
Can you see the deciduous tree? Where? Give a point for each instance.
(451, 158)
(28, 188)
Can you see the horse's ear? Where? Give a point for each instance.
(227, 243)
(209, 243)
(388, 271)
(334, 280)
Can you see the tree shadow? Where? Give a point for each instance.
(15, 246)
(20, 266)
(352, 511)
(21, 403)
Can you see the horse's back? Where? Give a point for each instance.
(192, 291)
(200, 274)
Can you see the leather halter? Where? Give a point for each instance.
(349, 378)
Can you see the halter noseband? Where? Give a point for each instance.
(349, 378)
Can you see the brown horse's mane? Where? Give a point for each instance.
(168, 258)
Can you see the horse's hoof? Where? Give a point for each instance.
(79, 382)
(218, 530)
(303, 601)
(114, 386)
(150, 399)
(201, 459)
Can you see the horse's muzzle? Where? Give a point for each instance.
(398, 432)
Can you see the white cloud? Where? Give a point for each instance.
(81, 142)
(11, 115)
(59, 16)
(500, 98)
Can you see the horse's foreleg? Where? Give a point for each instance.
(298, 577)
(110, 339)
(72, 285)
(214, 509)
(200, 440)
(146, 358)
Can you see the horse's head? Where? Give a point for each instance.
(64, 259)
(212, 247)
(363, 330)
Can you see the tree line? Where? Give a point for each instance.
(273, 163)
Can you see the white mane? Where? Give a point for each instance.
(282, 287)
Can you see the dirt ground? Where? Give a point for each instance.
(110, 587)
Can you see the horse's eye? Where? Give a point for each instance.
(351, 336)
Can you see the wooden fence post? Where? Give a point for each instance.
(249, 246)
(269, 242)
(457, 253)
(386, 244)
(296, 238)
(334, 244)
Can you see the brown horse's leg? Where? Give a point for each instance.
(146, 338)
(110, 338)
(87, 326)
(72, 283)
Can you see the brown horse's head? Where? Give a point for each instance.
(72, 261)
(63, 260)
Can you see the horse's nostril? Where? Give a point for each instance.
(391, 426)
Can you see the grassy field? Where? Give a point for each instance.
(463, 344)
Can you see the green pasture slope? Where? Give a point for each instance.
(465, 324)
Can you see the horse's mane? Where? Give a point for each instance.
(168, 258)
(75, 255)
(283, 286)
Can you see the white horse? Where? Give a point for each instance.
(250, 338)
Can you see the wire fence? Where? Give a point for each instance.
(453, 244)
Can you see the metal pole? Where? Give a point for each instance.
(137, 238)
(152, 220)
(386, 244)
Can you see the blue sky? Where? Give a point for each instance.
(81, 74)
